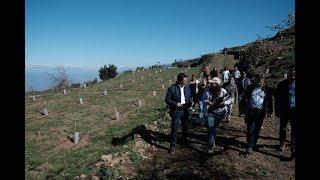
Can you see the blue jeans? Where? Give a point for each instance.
(179, 115)
(214, 120)
(229, 110)
(202, 111)
(254, 120)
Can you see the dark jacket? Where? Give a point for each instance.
(193, 88)
(174, 96)
(214, 73)
(201, 91)
(282, 98)
(267, 107)
(243, 86)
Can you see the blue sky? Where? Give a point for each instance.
(141, 32)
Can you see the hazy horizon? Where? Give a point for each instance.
(37, 78)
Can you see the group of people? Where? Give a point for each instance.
(215, 99)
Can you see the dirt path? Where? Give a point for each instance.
(193, 162)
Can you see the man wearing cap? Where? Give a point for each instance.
(179, 100)
(217, 110)
(259, 102)
(285, 109)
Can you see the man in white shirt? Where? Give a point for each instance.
(236, 73)
(179, 99)
(259, 103)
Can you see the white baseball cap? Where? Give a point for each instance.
(215, 80)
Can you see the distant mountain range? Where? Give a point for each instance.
(37, 78)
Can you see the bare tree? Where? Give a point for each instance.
(287, 23)
(60, 78)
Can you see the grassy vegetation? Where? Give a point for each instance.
(44, 134)
(49, 153)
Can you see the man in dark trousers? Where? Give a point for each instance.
(242, 85)
(285, 109)
(179, 99)
(259, 102)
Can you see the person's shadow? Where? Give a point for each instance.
(193, 141)
(149, 136)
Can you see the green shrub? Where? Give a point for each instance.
(75, 85)
(109, 173)
(107, 72)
